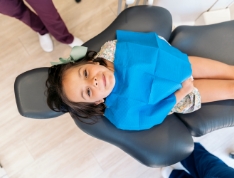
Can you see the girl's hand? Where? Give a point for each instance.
(187, 87)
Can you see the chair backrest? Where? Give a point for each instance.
(162, 145)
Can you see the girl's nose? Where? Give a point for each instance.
(95, 83)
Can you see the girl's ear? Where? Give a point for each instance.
(96, 63)
(99, 101)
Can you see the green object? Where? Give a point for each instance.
(77, 52)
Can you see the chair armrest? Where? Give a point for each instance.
(162, 145)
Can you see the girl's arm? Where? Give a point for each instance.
(187, 87)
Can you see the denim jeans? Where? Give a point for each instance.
(202, 164)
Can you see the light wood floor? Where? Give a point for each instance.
(56, 148)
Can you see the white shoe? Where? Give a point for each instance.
(3, 173)
(46, 42)
(76, 42)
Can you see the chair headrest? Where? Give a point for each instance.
(30, 94)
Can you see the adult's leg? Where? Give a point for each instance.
(17, 9)
(214, 90)
(202, 164)
(180, 174)
(50, 17)
(204, 68)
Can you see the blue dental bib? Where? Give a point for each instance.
(148, 71)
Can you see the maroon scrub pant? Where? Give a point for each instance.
(47, 19)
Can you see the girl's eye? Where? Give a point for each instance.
(85, 74)
(88, 92)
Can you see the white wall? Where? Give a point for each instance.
(232, 11)
(185, 12)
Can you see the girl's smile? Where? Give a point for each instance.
(104, 80)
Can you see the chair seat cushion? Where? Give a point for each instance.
(162, 145)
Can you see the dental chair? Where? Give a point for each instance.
(171, 141)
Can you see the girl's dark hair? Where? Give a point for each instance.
(57, 100)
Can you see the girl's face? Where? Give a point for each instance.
(89, 83)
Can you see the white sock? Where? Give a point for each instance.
(179, 166)
(128, 2)
(166, 171)
(76, 42)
